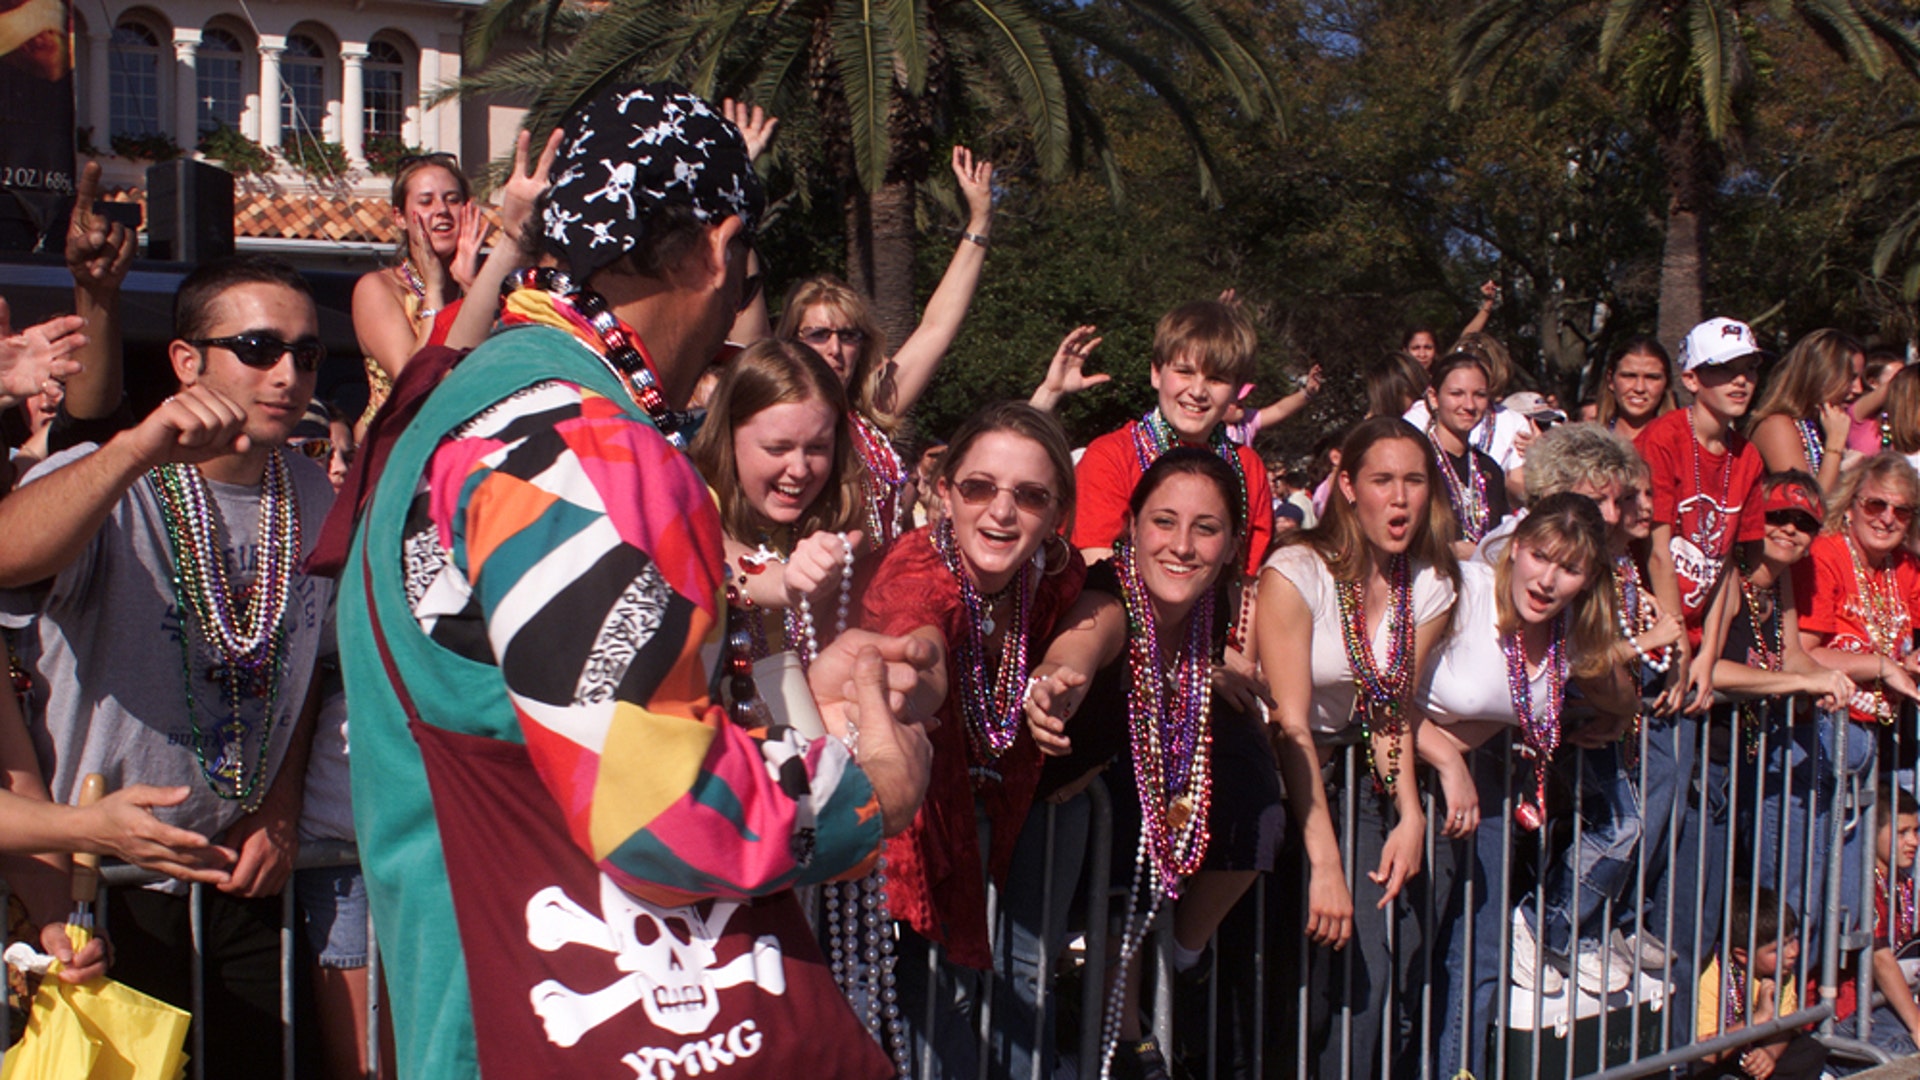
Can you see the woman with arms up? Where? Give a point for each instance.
(1348, 614)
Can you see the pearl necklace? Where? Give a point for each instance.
(621, 351)
(994, 712)
(244, 632)
(860, 952)
(885, 478)
(1380, 694)
(1469, 498)
(1539, 729)
(1634, 617)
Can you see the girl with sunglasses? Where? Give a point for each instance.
(833, 319)
(1802, 420)
(1538, 615)
(987, 585)
(1348, 613)
(1196, 798)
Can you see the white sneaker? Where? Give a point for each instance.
(1595, 971)
(1527, 969)
(1641, 950)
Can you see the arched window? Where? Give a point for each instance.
(303, 69)
(133, 81)
(222, 93)
(385, 88)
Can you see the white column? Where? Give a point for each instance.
(99, 89)
(353, 113)
(270, 91)
(186, 89)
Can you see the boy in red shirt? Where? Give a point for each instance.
(1705, 477)
(1203, 357)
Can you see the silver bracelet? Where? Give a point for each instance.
(977, 238)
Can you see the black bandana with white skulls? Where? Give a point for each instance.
(632, 150)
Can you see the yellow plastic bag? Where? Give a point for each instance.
(98, 1031)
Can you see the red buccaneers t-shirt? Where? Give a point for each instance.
(1709, 500)
(1110, 468)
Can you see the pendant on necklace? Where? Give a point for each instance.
(1179, 812)
(987, 625)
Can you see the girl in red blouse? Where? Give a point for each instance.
(986, 585)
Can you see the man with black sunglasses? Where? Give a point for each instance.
(176, 640)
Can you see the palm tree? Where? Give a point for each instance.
(882, 78)
(1687, 68)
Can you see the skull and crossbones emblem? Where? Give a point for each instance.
(666, 953)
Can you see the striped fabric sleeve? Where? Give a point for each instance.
(590, 550)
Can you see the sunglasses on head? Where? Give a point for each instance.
(1878, 507)
(820, 335)
(1032, 498)
(263, 351)
(1798, 519)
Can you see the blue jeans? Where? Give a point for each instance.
(1467, 999)
(1805, 757)
(1588, 876)
(1035, 924)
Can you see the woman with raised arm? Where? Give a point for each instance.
(1636, 387)
(1196, 799)
(1802, 421)
(1349, 611)
(834, 320)
(986, 585)
(400, 309)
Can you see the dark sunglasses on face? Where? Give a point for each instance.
(317, 449)
(1797, 519)
(820, 335)
(263, 351)
(1032, 498)
(1878, 507)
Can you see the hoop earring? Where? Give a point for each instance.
(1065, 555)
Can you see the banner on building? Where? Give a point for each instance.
(36, 96)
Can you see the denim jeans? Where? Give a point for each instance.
(1035, 923)
(1672, 749)
(1467, 1000)
(1595, 872)
(1805, 757)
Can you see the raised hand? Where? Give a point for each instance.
(524, 187)
(425, 263)
(197, 424)
(1066, 372)
(976, 186)
(38, 354)
(818, 560)
(755, 125)
(99, 251)
(470, 230)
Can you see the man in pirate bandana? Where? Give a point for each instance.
(579, 865)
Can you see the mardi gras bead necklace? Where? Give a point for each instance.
(861, 955)
(1812, 442)
(1735, 1005)
(1153, 436)
(885, 480)
(1468, 498)
(993, 708)
(411, 278)
(1634, 616)
(1901, 905)
(1379, 701)
(1539, 726)
(1879, 607)
(1707, 516)
(240, 626)
(1768, 652)
(622, 352)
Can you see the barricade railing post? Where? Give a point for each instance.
(197, 999)
(1258, 1036)
(1350, 814)
(286, 980)
(1043, 974)
(1162, 978)
(1836, 826)
(1093, 980)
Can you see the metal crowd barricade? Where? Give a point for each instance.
(313, 855)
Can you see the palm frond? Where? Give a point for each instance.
(1715, 58)
(1842, 25)
(1622, 19)
(1016, 44)
(1195, 23)
(863, 58)
(908, 20)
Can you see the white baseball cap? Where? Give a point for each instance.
(1717, 341)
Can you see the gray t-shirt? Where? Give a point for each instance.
(108, 659)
